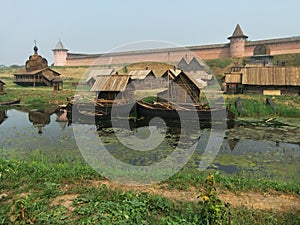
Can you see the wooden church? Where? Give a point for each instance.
(37, 73)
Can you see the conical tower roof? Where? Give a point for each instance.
(60, 46)
(238, 33)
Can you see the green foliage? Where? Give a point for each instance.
(125, 69)
(150, 99)
(289, 59)
(219, 63)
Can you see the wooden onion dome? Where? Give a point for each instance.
(35, 61)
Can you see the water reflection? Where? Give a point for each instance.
(39, 119)
(19, 133)
(55, 136)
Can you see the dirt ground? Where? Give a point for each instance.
(251, 200)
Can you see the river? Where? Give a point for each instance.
(248, 147)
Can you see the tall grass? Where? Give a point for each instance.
(255, 105)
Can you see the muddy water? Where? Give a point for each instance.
(250, 147)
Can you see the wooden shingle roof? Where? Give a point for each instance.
(110, 83)
(196, 81)
(140, 74)
(233, 78)
(99, 72)
(271, 76)
(172, 73)
(203, 75)
(24, 72)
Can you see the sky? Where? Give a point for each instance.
(98, 26)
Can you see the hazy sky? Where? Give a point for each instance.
(95, 26)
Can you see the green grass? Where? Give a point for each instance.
(33, 186)
(187, 178)
(290, 59)
(254, 105)
(221, 63)
(37, 97)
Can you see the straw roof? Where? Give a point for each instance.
(271, 76)
(111, 83)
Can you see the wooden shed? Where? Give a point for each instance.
(233, 82)
(93, 74)
(114, 88)
(200, 77)
(183, 89)
(260, 79)
(144, 79)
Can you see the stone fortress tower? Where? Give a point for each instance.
(237, 42)
(60, 54)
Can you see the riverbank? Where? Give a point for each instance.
(253, 106)
(37, 191)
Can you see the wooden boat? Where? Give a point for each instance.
(101, 110)
(182, 112)
(12, 102)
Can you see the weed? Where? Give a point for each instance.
(213, 210)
